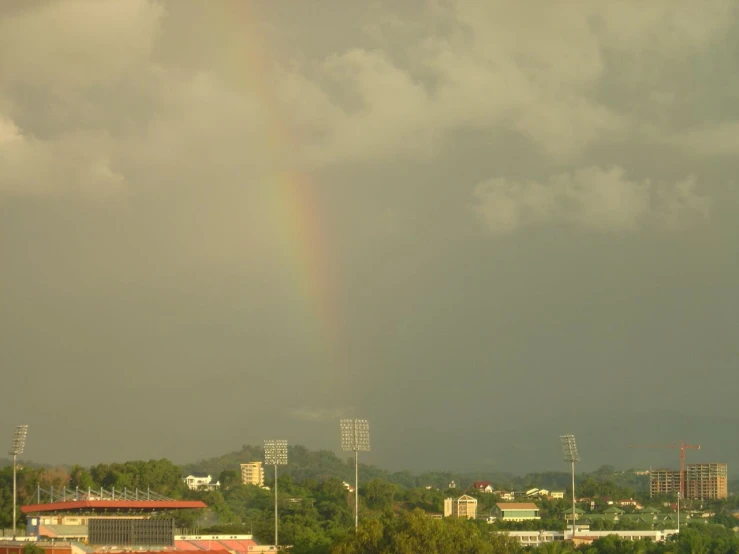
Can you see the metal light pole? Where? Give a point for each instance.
(570, 454)
(19, 443)
(678, 512)
(355, 437)
(275, 454)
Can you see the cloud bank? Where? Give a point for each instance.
(591, 198)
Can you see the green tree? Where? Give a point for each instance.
(380, 494)
(229, 478)
(80, 478)
(32, 548)
(414, 532)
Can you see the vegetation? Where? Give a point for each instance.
(316, 507)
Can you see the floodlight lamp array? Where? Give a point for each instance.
(355, 435)
(275, 452)
(19, 440)
(569, 448)
(362, 434)
(347, 434)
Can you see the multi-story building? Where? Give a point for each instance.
(701, 481)
(664, 481)
(706, 481)
(464, 506)
(252, 473)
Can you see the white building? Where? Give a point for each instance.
(537, 538)
(483, 486)
(198, 481)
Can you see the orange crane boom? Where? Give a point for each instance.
(683, 447)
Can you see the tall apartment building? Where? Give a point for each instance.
(706, 481)
(664, 481)
(702, 481)
(252, 474)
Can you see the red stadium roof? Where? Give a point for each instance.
(131, 505)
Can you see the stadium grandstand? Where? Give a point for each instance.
(101, 521)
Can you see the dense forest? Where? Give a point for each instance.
(316, 506)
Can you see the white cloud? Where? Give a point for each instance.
(105, 105)
(77, 43)
(531, 68)
(711, 139)
(663, 26)
(387, 116)
(32, 166)
(593, 198)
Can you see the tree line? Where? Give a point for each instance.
(316, 505)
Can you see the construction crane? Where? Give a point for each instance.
(683, 447)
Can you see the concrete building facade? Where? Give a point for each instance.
(465, 506)
(702, 481)
(252, 473)
(664, 481)
(707, 481)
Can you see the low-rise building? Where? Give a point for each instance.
(505, 495)
(516, 511)
(538, 538)
(578, 514)
(630, 502)
(483, 486)
(651, 517)
(199, 481)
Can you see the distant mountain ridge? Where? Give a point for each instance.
(608, 437)
(324, 464)
(603, 438)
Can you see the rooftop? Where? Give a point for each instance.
(517, 506)
(116, 505)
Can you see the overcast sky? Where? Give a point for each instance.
(227, 221)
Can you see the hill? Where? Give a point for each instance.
(321, 465)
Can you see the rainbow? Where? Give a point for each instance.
(295, 204)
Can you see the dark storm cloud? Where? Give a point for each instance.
(528, 218)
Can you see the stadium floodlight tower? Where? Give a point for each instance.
(19, 444)
(275, 454)
(570, 454)
(355, 437)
